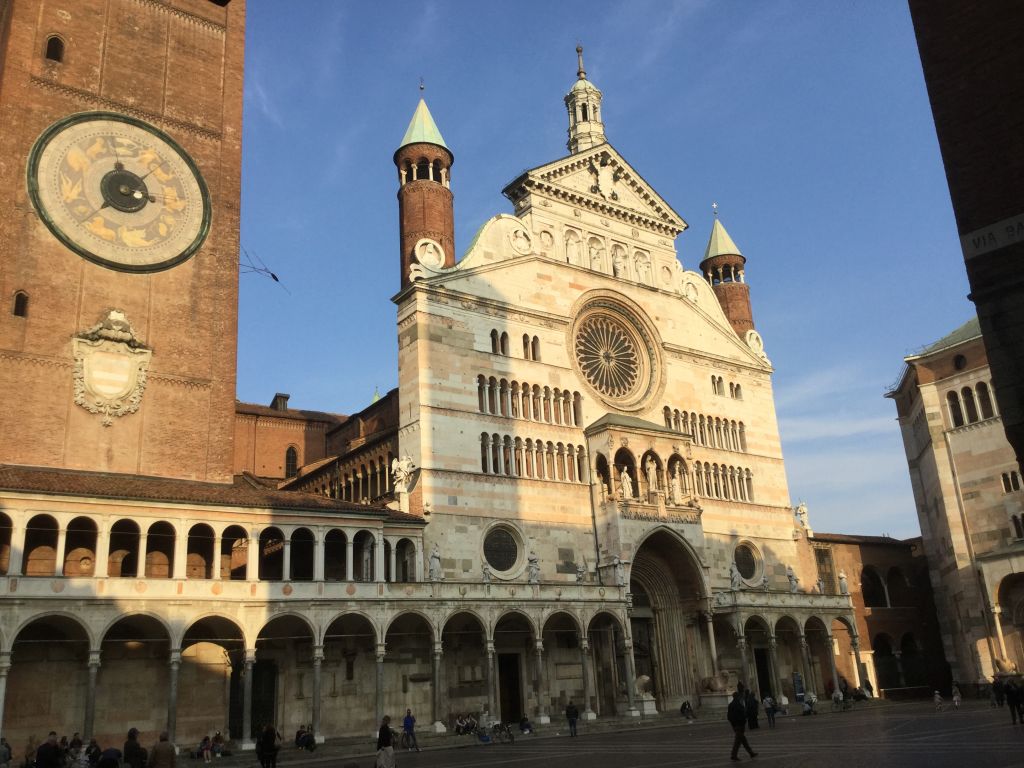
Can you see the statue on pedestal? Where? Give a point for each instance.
(625, 484)
(735, 580)
(435, 565)
(401, 472)
(485, 570)
(651, 470)
(533, 568)
(844, 588)
(620, 572)
(794, 582)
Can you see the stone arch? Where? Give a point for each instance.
(350, 643)
(80, 547)
(625, 464)
(303, 551)
(123, 550)
(40, 548)
(233, 558)
(820, 655)
(199, 555)
(136, 647)
(513, 612)
(669, 589)
(898, 588)
(873, 588)
(364, 555)
(49, 657)
(464, 666)
(210, 627)
(335, 555)
(271, 554)
(606, 636)
(141, 619)
(161, 538)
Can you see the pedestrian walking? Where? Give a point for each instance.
(956, 696)
(937, 698)
(48, 755)
(409, 728)
(134, 754)
(999, 691)
(385, 745)
(269, 746)
(769, 709)
(737, 716)
(1011, 694)
(751, 705)
(5, 753)
(572, 715)
(162, 755)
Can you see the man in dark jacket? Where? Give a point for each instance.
(737, 716)
(48, 755)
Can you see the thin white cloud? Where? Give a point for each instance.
(822, 384)
(258, 95)
(802, 429)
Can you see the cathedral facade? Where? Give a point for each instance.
(577, 491)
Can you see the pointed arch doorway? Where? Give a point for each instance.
(669, 594)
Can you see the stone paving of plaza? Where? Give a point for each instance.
(880, 734)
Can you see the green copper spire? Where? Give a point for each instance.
(720, 243)
(422, 129)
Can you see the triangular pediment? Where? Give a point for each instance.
(600, 179)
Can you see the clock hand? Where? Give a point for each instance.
(153, 169)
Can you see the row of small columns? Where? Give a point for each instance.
(252, 566)
(805, 660)
(318, 657)
(720, 274)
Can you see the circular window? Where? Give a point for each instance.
(959, 362)
(746, 561)
(615, 351)
(607, 354)
(501, 549)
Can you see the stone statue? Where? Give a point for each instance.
(821, 586)
(715, 684)
(764, 581)
(620, 572)
(844, 588)
(533, 568)
(485, 570)
(619, 263)
(643, 686)
(735, 580)
(401, 471)
(643, 268)
(794, 582)
(625, 483)
(435, 565)
(581, 573)
(676, 488)
(651, 470)
(596, 256)
(572, 251)
(801, 514)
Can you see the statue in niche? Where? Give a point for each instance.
(619, 263)
(533, 568)
(485, 573)
(581, 572)
(844, 587)
(625, 484)
(643, 268)
(735, 580)
(764, 581)
(651, 471)
(820, 586)
(676, 487)
(401, 472)
(620, 572)
(572, 250)
(435, 564)
(794, 582)
(596, 255)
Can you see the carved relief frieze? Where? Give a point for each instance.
(110, 368)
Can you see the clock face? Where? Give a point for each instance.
(118, 192)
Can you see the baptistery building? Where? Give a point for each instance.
(576, 491)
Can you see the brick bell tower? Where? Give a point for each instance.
(723, 269)
(425, 201)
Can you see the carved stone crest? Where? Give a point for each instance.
(110, 368)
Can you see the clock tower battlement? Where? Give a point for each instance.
(119, 207)
(426, 212)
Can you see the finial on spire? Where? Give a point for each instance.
(580, 73)
(714, 208)
(422, 86)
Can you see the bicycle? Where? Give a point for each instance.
(503, 733)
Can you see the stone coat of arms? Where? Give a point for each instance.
(110, 368)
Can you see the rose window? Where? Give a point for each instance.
(607, 354)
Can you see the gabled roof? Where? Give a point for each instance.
(628, 422)
(720, 244)
(652, 211)
(422, 129)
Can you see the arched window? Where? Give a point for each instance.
(956, 415)
(984, 400)
(668, 416)
(494, 342)
(535, 349)
(481, 393)
(526, 347)
(873, 589)
(969, 406)
(1018, 529)
(504, 344)
(423, 170)
(20, 308)
(485, 445)
(291, 462)
(54, 48)
(739, 392)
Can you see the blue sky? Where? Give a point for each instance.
(807, 122)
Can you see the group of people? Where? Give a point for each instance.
(211, 747)
(74, 753)
(466, 724)
(1009, 692)
(305, 738)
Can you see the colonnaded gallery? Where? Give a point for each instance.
(577, 490)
